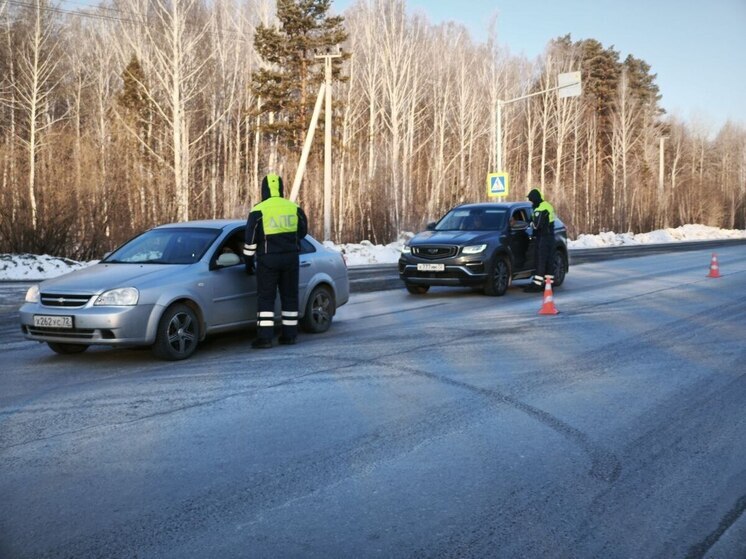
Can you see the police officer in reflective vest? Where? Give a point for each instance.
(543, 223)
(273, 232)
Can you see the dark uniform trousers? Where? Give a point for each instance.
(545, 255)
(273, 271)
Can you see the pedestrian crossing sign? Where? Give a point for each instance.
(497, 185)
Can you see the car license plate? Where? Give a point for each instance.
(431, 267)
(46, 321)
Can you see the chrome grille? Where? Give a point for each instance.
(64, 300)
(433, 252)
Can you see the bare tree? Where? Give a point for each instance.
(36, 80)
(625, 137)
(172, 47)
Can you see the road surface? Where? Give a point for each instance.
(445, 425)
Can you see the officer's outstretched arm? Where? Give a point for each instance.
(302, 223)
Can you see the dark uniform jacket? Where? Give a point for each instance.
(543, 216)
(275, 225)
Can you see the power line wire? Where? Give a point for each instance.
(132, 17)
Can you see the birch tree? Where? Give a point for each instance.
(397, 50)
(175, 56)
(36, 81)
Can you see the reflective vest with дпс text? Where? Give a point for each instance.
(280, 227)
(278, 216)
(544, 218)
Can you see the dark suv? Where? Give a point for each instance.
(479, 245)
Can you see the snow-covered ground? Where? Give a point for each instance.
(367, 253)
(30, 267)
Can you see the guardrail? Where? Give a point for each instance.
(379, 277)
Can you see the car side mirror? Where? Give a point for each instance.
(228, 259)
(431, 226)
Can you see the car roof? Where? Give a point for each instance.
(493, 205)
(205, 224)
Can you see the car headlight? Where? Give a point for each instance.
(32, 295)
(406, 249)
(473, 249)
(122, 297)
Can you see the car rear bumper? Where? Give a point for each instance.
(115, 326)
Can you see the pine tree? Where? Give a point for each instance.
(642, 83)
(601, 71)
(134, 96)
(292, 75)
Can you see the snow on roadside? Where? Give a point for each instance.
(20, 267)
(661, 236)
(365, 252)
(30, 267)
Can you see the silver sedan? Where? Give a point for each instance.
(170, 287)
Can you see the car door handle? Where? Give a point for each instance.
(305, 264)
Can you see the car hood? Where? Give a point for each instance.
(449, 237)
(101, 277)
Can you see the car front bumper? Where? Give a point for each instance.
(461, 272)
(115, 326)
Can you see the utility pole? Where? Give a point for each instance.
(328, 142)
(307, 144)
(661, 194)
(325, 94)
(661, 156)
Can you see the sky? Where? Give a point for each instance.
(696, 47)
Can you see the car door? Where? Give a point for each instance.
(233, 291)
(521, 243)
(308, 266)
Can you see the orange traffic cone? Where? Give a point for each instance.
(548, 306)
(714, 267)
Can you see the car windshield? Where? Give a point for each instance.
(473, 219)
(165, 246)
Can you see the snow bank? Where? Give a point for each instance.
(365, 252)
(30, 267)
(683, 233)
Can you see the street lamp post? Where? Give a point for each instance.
(499, 154)
(568, 85)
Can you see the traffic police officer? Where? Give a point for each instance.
(543, 223)
(274, 229)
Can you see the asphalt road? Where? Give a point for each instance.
(444, 425)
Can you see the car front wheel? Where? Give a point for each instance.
(319, 312)
(178, 333)
(67, 349)
(499, 278)
(560, 265)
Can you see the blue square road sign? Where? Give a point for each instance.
(497, 185)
